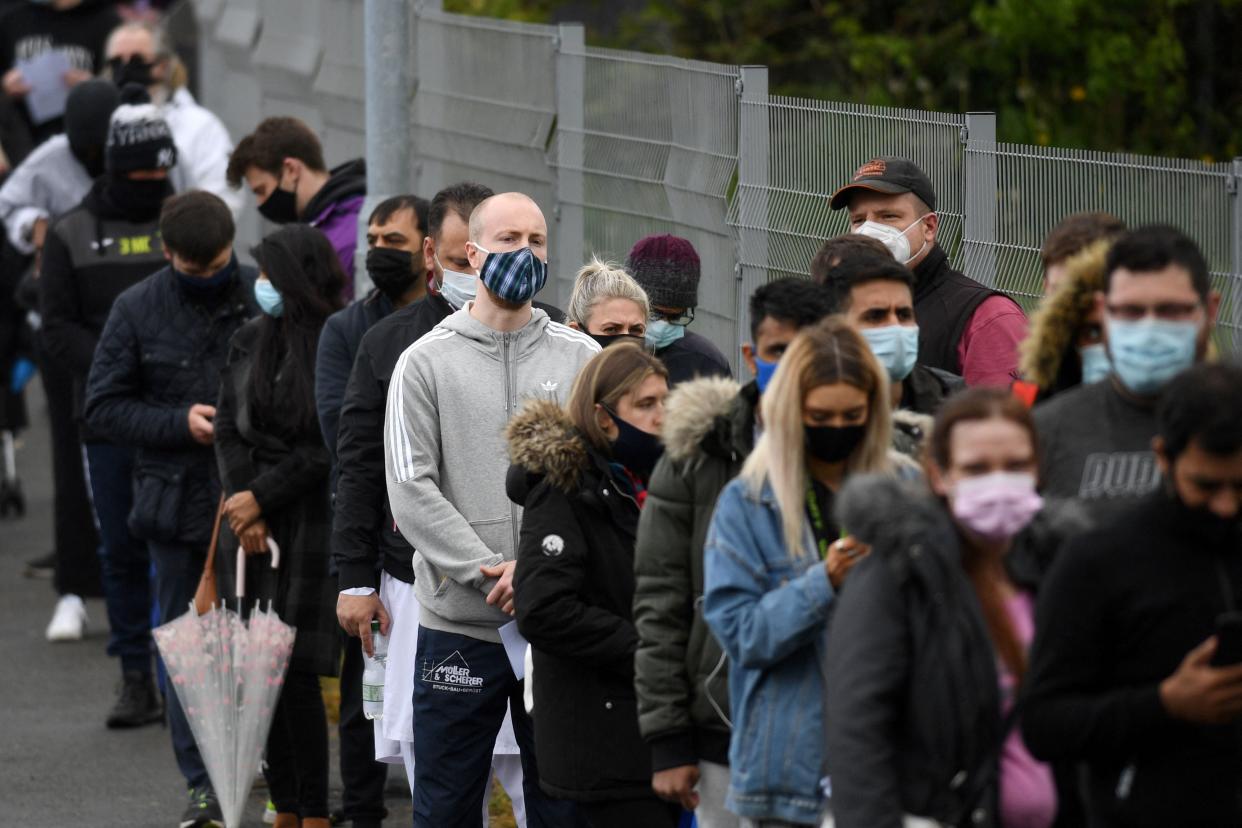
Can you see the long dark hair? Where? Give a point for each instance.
(970, 406)
(300, 263)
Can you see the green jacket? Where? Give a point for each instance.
(681, 674)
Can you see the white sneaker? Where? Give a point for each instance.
(69, 620)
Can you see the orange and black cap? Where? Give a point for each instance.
(887, 174)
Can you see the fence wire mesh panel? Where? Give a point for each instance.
(657, 150)
(814, 147)
(1039, 186)
(484, 105)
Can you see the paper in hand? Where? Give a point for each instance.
(515, 648)
(48, 92)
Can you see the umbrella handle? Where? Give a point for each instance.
(240, 583)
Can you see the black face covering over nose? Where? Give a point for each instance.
(141, 198)
(281, 207)
(135, 70)
(832, 444)
(392, 271)
(605, 340)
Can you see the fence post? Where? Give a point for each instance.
(1234, 295)
(979, 206)
(753, 158)
(570, 155)
(385, 29)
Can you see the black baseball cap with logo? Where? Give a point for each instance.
(887, 174)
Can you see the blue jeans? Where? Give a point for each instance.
(461, 688)
(177, 570)
(126, 564)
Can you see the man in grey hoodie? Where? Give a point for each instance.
(451, 394)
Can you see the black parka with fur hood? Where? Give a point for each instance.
(573, 587)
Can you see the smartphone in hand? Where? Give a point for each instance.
(1228, 640)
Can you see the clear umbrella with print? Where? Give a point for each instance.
(227, 673)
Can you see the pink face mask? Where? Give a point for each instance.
(996, 506)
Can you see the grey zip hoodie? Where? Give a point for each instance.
(452, 393)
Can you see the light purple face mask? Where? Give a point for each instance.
(996, 506)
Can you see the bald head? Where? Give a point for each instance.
(507, 221)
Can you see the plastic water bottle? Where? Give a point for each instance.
(373, 675)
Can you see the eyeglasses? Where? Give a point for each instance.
(1168, 311)
(684, 318)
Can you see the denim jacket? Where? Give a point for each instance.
(769, 608)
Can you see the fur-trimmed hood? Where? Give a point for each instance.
(1057, 321)
(691, 413)
(886, 513)
(544, 442)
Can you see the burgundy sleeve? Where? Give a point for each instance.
(988, 349)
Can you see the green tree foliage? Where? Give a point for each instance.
(1149, 76)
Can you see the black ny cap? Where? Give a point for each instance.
(891, 175)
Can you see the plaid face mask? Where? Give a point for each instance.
(514, 276)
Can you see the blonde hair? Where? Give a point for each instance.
(827, 353)
(599, 281)
(609, 376)
(177, 76)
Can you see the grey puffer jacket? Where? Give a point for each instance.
(681, 674)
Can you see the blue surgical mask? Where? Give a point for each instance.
(515, 275)
(1149, 353)
(457, 288)
(661, 333)
(896, 347)
(764, 371)
(1096, 364)
(268, 297)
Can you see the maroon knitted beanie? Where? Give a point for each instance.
(667, 267)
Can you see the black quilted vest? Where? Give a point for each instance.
(944, 301)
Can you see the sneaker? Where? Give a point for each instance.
(269, 813)
(203, 810)
(68, 621)
(138, 704)
(41, 567)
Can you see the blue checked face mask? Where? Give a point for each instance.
(896, 347)
(1096, 364)
(515, 275)
(1149, 353)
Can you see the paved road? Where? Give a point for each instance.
(59, 765)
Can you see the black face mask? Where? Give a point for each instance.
(135, 70)
(1203, 523)
(281, 207)
(634, 448)
(392, 271)
(832, 444)
(91, 158)
(605, 340)
(138, 197)
(205, 286)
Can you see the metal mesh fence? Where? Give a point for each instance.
(814, 148)
(1039, 186)
(617, 145)
(485, 104)
(656, 147)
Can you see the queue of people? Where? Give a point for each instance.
(929, 566)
